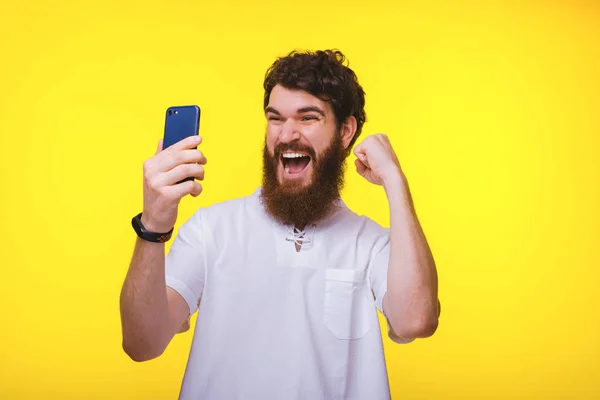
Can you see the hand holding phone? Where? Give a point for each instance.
(171, 173)
(181, 122)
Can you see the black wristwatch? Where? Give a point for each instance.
(145, 234)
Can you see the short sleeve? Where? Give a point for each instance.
(185, 263)
(377, 273)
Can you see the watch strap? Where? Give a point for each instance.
(147, 235)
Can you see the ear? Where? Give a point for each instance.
(348, 130)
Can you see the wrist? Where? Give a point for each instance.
(393, 179)
(153, 226)
(151, 233)
(396, 189)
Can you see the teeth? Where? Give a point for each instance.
(293, 155)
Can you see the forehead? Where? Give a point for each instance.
(288, 101)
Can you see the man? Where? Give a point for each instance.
(287, 281)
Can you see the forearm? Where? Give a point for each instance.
(412, 295)
(144, 303)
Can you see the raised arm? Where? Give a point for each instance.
(411, 302)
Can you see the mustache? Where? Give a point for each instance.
(294, 146)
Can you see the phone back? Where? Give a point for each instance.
(181, 122)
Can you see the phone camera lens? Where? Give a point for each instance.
(170, 112)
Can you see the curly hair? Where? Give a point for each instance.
(324, 74)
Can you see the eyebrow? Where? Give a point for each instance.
(310, 109)
(272, 110)
(300, 110)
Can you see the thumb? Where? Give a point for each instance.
(363, 158)
(360, 153)
(160, 145)
(360, 167)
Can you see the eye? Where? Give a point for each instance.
(309, 118)
(273, 118)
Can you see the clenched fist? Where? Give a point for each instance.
(376, 160)
(162, 192)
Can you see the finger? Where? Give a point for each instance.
(196, 189)
(363, 159)
(360, 167)
(184, 188)
(191, 156)
(360, 152)
(179, 173)
(189, 142)
(173, 159)
(160, 145)
(358, 149)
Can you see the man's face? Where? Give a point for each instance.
(303, 157)
(300, 127)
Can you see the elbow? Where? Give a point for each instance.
(428, 327)
(141, 353)
(421, 327)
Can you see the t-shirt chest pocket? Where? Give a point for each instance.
(348, 309)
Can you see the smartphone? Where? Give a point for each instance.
(181, 122)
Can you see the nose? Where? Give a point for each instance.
(289, 132)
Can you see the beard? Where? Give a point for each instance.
(292, 203)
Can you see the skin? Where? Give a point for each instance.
(152, 313)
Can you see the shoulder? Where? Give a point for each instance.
(357, 228)
(346, 218)
(226, 206)
(237, 209)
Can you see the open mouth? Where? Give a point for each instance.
(294, 162)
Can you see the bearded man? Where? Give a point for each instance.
(287, 281)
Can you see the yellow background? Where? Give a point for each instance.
(493, 109)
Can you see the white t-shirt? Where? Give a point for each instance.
(277, 323)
